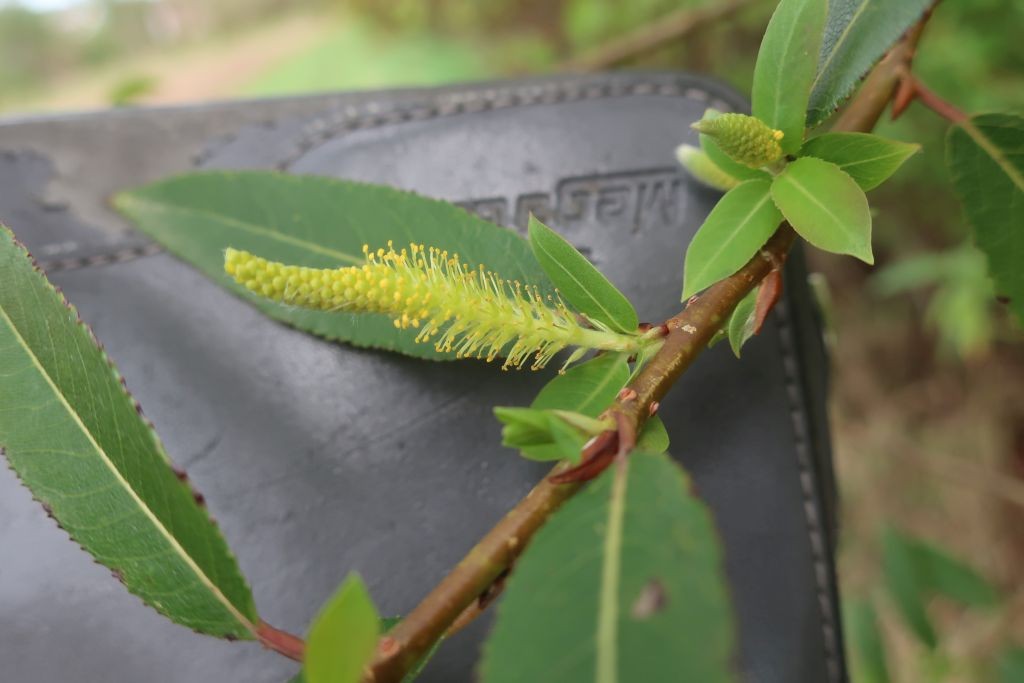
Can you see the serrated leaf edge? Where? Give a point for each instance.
(189, 561)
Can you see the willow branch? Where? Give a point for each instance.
(459, 594)
(653, 36)
(281, 642)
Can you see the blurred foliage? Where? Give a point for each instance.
(30, 48)
(960, 304)
(918, 574)
(339, 61)
(131, 89)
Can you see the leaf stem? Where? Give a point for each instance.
(930, 99)
(455, 597)
(281, 642)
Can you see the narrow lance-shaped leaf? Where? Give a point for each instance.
(785, 68)
(579, 282)
(940, 573)
(343, 637)
(825, 206)
(77, 441)
(860, 622)
(736, 228)
(868, 159)
(323, 223)
(902, 578)
(1011, 665)
(857, 34)
(624, 583)
(986, 159)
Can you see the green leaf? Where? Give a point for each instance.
(728, 164)
(586, 388)
(861, 625)
(868, 159)
(825, 206)
(785, 68)
(546, 434)
(939, 573)
(317, 222)
(579, 282)
(78, 442)
(343, 636)
(624, 583)
(986, 160)
(902, 579)
(702, 169)
(1011, 665)
(736, 228)
(857, 34)
(653, 437)
(741, 322)
(916, 571)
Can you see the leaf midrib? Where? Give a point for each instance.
(995, 153)
(871, 160)
(606, 668)
(722, 244)
(839, 222)
(241, 225)
(119, 478)
(603, 382)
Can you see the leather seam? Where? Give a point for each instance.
(819, 546)
(372, 115)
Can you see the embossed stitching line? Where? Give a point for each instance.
(373, 115)
(101, 259)
(803, 449)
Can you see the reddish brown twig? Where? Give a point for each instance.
(768, 294)
(911, 89)
(280, 641)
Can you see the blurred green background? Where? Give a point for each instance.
(928, 395)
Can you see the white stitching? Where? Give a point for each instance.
(334, 124)
(819, 551)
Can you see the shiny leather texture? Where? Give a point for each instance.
(318, 459)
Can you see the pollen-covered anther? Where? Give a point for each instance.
(462, 309)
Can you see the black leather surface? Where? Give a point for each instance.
(318, 459)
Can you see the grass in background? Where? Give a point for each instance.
(356, 56)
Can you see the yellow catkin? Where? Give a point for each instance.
(470, 311)
(746, 139)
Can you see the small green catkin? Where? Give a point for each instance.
(470, 311)
(704, 169)
(746, 139)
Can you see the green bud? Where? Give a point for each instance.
(746, 139)
(703, 169)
